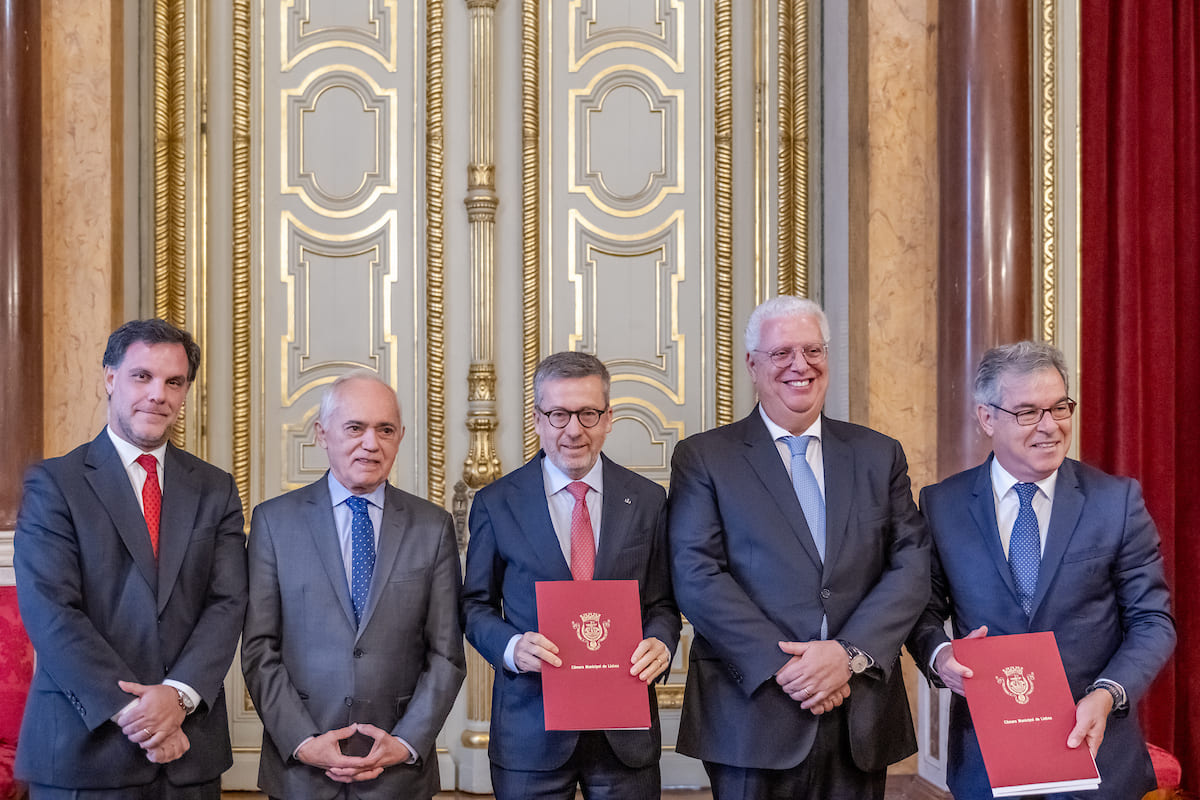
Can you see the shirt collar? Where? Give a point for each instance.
(129, 452)
(1003, 481)
(556, 480)
(339, 493)
(778, 432)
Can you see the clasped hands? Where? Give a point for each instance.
(649, 660)
(324, 752)
(817, 675)
(1091, 712)
(153, 721)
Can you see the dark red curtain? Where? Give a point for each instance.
(1140, 316)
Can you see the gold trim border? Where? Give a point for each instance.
(531, 209)
(1049, 171)
(241, 272)
(723, 207)
(435, 263)
(792, 72)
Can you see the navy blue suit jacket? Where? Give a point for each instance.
(99, 609)
(1100, 588)
(512, 546)
(747, 576)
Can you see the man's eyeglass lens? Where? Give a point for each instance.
(561, 418)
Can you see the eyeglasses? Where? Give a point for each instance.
(561, 418)
(1032, 416)
(784, 356)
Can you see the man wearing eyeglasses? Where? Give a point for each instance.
(568, 514)
(801, 560)
(1031, 540)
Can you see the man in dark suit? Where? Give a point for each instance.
(132, 594)
(801, 561)
(1033, 541)
(352, 649)
(525, 528)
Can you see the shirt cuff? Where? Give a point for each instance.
(509, 660)
(936, 678)
(187, 690)
(412, 751)
(297, 750)
(1120, 697)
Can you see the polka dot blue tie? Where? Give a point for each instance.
(362, 554)
(1025, 547)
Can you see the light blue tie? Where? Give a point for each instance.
(1025, 547)
(807, 490)
(362, 554)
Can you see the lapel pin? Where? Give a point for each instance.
(628, 501)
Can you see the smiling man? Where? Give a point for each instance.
(568, 514)
(801, 561)
(352, 650)
(1033, 541)
(131, 578)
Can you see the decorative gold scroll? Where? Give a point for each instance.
(435, 265)
(241, 248)
(1049, 229)
(792, 70)
(531, 207)
(723, 207)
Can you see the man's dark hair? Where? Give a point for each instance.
(150, 331)
(568, 364)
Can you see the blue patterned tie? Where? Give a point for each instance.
(1025, 547)
(362, 554)
(807, 490)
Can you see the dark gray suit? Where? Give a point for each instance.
(99, 609)
(1100, 589)
(310, 669)
(747, 575)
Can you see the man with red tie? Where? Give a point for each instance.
(131, 578)
(569, 514)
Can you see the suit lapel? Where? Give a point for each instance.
(322, 528)
(181, 498)
(616, 515)
(527, 504)
(837, 458)
(983, 511)
(110, 482)
(395, 525)
(766, 462)
(1064, 516)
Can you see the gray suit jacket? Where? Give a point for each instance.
(99, 609)
(1100, 588)
(747, 576)
(310, 669)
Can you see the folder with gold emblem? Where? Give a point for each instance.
(1022, 709)
(596, 625)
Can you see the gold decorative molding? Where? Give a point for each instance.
(669, 697)
(1049, 172)
(531, 207)
(792, 72)
(435, 255)
(723, 207)
(241, 250)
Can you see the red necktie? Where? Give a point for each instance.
(151, 497)
(583, 543)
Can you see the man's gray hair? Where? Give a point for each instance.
(330, 398)
(782, 306)
(1019, 358)
(569, 364)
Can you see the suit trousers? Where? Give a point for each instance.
(158, 789)
(593, 767)
(827, 772)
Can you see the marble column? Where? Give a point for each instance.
(985, 275)
(20, 249)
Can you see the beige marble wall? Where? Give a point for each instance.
(80, 185)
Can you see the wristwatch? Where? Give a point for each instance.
(859, 661)
(185, 702)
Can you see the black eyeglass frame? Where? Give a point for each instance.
(1041, 412)
(578, 414)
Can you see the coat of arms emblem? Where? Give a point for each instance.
(1016, 683)
(590, 629)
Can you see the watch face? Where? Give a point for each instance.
(858, 663)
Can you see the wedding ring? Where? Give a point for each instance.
(805, 692)
(148, 732)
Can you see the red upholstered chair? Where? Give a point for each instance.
(16, 672)
(1167, 769)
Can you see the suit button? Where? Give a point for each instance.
(826, 594)
(349, 701)
(358, 653)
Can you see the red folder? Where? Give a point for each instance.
(597, 625)
(1023, 711)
